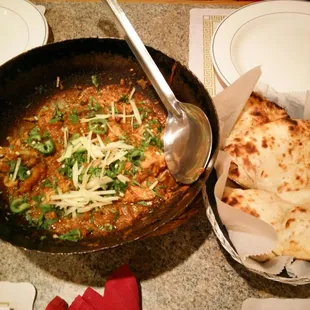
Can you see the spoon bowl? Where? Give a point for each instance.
(188, 133)
(187, 143)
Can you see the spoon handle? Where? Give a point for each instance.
(144, 58)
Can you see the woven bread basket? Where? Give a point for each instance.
(222, 235)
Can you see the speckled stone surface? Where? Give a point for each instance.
(185, 269)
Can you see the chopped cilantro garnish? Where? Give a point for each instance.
(142, 203)
(50, 183)
(22, 170)
(132, 171)
(95, 172)
(123, 136)
(135, 125)
(73, 117)
(38, 199)
(67, 164)
(12, 164)
(144, 112)
(115, 213)
(47, 222)
(22, 173)
(95, 82)
(143, 115)
(118, 186)
(29, 218)
(74, 136)
(124, 98)
(106, 227)
(47, 183)
(94, 107)
(153, 121)
(157, 194)
(115, 109)
(92, 220)
(73, 235)
(41, 222)
(47, 208)
(57, 117)
(134, 182)
(149, 139)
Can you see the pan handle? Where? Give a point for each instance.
(144, 58)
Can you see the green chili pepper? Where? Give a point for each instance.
(34, 138)
(19, 205)
(98, 126)
(46, 148)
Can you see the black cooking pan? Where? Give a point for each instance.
(31, 77)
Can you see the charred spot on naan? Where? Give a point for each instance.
(234, 170)
(266, 110)
(288, 222)
(256, 112)
(299, 209)
(239, 149)
(243, 151)
(296, 232)
(264, 174)
(296, 126)
(238, 202)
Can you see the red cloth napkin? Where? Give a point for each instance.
(121, 293)
(121, 290)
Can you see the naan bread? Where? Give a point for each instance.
(273, 157)
(290, 221)
(257, 111)
(297, 197)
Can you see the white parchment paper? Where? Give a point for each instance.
(250, 235)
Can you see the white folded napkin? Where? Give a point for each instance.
(17, 296)
(275, 303)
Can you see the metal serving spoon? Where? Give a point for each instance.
(188, 134)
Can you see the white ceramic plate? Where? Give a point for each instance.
(22, 27)
(273, 34)
(18, 295)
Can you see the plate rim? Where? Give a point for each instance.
(23, 12)
(220, 72)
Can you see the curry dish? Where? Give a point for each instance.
(88, 161)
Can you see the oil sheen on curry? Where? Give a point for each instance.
(86, 162)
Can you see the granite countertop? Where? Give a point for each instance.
(185, 269)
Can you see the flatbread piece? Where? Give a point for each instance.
(290, 221)
(273, 157)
